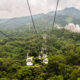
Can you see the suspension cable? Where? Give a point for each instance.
(55, 14)
(31, 16)
(32, 22)
(5, 35)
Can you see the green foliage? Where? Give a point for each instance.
(56, 78)
(69, 20)
(63, 49)
(78, 79)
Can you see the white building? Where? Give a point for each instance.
(78, 28)
(72, 27)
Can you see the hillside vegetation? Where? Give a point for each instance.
(63, 49)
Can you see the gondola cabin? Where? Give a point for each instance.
(29, 61)
(45, 59)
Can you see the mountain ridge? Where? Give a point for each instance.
(63, 17)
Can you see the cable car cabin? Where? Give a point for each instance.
(45, 59)
(39, 57)
(44, 36)
(29, 61)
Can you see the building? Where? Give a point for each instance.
(72, 27)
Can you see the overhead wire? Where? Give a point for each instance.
(33, 19)
(32, 22)
(5, 35)
(55, 14)
(31, 16)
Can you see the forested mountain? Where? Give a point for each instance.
(72, 12)
(63, 17)
(61, 46)
(63, 49)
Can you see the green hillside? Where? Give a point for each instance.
(63, 49)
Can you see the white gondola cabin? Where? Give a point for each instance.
(45, 59)
(29, 60)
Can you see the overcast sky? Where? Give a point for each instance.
(16, 8)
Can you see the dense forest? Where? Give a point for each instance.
(63, 49)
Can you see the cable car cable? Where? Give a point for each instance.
(55, 14)
(31, 16)
(5, 35)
